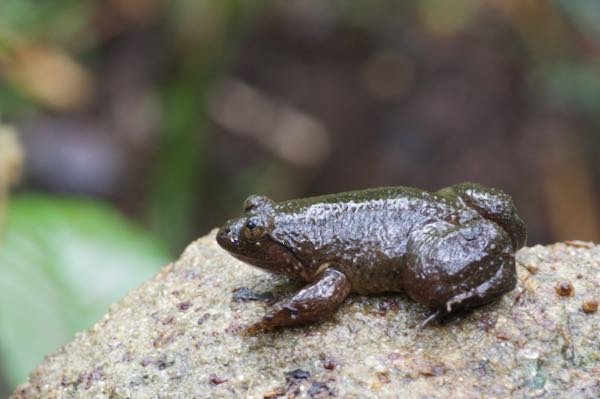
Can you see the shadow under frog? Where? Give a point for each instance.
(448, 250)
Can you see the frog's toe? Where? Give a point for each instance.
(284, 316)
(458, 300)
(254, 328)
(437, 315)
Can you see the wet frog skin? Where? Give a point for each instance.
(449, 249)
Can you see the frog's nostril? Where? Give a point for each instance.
(223, 236)
(227, 238)
(224, 233)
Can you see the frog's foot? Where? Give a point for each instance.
(282, 317)
(314, 302)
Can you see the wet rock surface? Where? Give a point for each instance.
(178, 336)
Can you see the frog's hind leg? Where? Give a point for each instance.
(502, 281)
(314, 302)
(451, 267)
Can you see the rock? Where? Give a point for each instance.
(178, 336)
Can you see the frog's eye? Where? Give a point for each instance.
(252, 231)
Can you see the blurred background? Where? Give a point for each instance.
(130, 127)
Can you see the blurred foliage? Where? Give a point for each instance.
(585, 13)
(573, 86)
(59, 22)
(62, 262)
(11, 164)
(181, 164)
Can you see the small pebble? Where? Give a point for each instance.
(330, 364)
(216, 380)
(275, 393)
(185, 305)
(589, 305)
(297, 374)
(564, 288)
(320, 390)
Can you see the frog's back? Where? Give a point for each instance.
(357, 197)
(364, 232)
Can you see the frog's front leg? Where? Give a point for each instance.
(450, 267)
(314, 302)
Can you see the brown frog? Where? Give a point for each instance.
(449, 249)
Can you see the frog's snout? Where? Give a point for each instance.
(227, 237)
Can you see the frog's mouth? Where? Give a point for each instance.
(265, 253)
(279, 259)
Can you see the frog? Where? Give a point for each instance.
(449, 249)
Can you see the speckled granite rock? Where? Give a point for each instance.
(177, 336)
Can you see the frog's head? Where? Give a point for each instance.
(495, 205)
(250, 239)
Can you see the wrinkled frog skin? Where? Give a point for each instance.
(449, 249)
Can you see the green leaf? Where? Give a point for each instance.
(62, 262)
